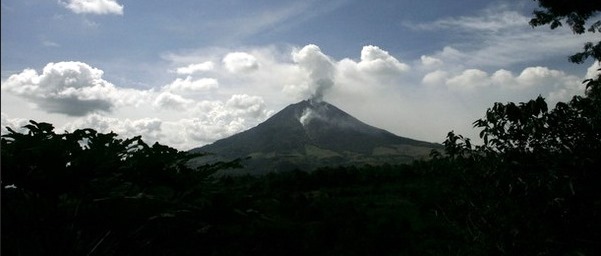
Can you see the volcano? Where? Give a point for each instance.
(312, 134)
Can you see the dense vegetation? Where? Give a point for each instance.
(520, 193)
(532, 188)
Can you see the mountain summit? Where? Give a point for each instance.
(312, 134)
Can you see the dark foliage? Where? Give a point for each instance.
(576, 13)
(534, 186)
(90, 193)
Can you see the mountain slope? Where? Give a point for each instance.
(310, 134)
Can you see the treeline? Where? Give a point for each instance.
(532, 188)
(88, 193)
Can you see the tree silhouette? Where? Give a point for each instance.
(534, 185)
(88, 192)
(575, 13)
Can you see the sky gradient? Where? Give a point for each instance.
(186, 73)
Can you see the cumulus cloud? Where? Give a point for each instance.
(192, 85)
(437, 77)
(169, 100)
(374, 59)
(202, 131)
(251, 106)
(319, 68)
(72, 88)
(469, 79)
(207, 121)
(503, 85)
(533, 76)
(216, 119)
(430, 61)
(99, 7)
(237, 62)
(14, 123)
(376, 67)
(196, 68)
(539, 77)
(149, 128)
(213, 120)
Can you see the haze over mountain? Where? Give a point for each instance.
(312, 134)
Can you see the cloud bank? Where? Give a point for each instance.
(424, 100)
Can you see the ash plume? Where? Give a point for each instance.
(320, 68)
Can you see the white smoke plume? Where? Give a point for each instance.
(307, 115)
(320, 68)
(315, 110)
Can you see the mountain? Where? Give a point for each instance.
(312, 134)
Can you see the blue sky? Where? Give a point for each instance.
(186, 73)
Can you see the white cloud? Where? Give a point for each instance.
(72, 88)
(14, 123)
(594, 70)
(503, 85)
(429, 61)
(171, 101)
(149, 128)
(251, 106)
(94, 6)
(196, 68)
(537, 78)
(469, 79)
(437, 77)
(533, 76)
(375, 68)
(215, 119)
(503, 77)
(237, 62)
(212, 120)
(189, 85)
(376, 60)
(203, 131)
(206, 121)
